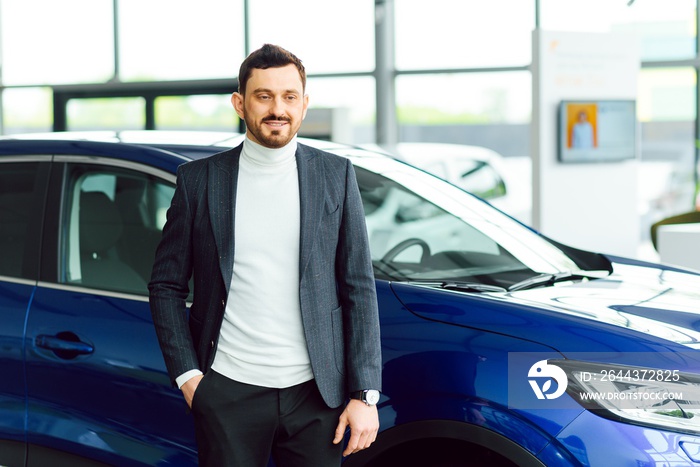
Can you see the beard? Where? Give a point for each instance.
(273, 139)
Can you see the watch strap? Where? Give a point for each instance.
(368, 396)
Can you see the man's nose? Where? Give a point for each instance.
(278, 108)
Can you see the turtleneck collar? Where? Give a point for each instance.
(268, 157)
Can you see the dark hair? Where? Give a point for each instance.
(268, 56)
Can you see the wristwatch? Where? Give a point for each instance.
(368, 396)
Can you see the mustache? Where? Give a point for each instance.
(277, 118)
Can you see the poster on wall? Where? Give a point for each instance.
(596, 130)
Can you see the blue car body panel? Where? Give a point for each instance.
(110, 385)
(14, 303)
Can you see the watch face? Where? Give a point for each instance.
(372, 396)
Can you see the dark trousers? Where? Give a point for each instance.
(241, 425)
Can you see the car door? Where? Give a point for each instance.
(96, 380)
(22, 195)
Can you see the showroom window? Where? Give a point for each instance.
(205, 112)
(329, 37)
(451, 34)
(106, 114)
(666, 111)
(483, 109)
(666, 29)
(27, 110)
(354, 99)
(179, 39)
(50, 42)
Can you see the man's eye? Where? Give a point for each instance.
(291, 98)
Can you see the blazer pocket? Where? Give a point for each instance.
(338, 339)
(331, 206)
(330, 222)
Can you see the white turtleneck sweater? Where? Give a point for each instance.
(262, 338)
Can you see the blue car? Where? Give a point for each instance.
(501, 347)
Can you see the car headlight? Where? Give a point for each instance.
(665, 399)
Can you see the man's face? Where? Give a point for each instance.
(273, 106)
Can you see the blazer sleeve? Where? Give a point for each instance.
(168, 289)
(357, 293)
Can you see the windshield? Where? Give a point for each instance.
(421, 229)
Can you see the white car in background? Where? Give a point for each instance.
(505, 182)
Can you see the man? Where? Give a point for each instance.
(582, 132)
(284, 326)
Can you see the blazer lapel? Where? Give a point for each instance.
(311, 189)
(221, 194)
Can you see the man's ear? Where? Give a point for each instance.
(237, 101)
(306, 106)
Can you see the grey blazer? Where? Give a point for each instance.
(337, 290)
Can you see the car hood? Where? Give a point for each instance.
(647, 302)
(654, 301)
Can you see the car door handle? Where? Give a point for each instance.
(65, 345)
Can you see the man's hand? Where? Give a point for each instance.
(363, 421)
(189, 388)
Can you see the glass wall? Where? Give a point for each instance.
(328, 36)
(666, 29)
(489, 109)
(47, 42)
(205, 112)
(463, 34)
(27, 110)
(355, 97)
(179, 39)
(667, 112)
(126, 113)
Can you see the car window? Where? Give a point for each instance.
(481, 179)
(414, 239)
(22, 189)
(111, 227)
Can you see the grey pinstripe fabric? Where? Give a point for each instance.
(337, 293)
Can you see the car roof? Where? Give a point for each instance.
(417, 152)
(158, 148)
(198, 138)
(193, 144)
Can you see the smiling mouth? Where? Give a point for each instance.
(276, 122)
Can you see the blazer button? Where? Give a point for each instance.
(212, 344)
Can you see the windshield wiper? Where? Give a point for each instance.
(460, 286)
(547, 279)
